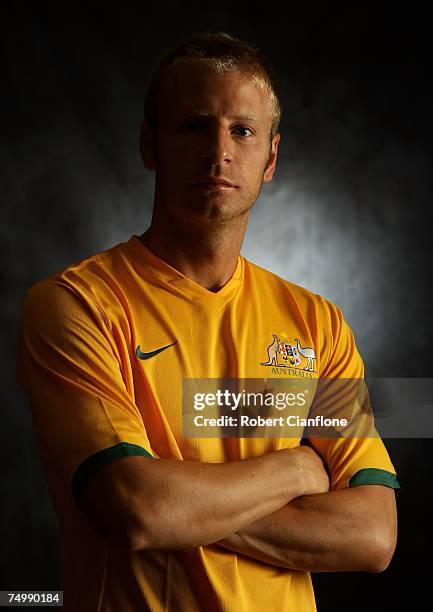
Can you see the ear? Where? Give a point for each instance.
(272, 160)
(147, 146)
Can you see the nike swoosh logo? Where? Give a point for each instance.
(142, 355)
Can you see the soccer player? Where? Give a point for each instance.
(150, 519)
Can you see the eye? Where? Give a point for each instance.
(241, 130)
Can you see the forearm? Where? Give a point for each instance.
(349, 530)
(169, 504)
(202, 502)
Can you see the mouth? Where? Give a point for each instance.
(211, 183)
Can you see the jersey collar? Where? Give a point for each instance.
(149, 262)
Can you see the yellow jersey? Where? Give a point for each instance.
(104, 347)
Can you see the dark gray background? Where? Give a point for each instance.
(348, 214)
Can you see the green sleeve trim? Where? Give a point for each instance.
(374, 476)
(96, 462)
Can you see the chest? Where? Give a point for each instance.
(175, 342)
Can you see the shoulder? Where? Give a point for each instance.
(308, 302)
(88, 282)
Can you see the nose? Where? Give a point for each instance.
(217, 148)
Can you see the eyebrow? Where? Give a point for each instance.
(241, 117)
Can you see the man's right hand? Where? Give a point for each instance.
(315, 474)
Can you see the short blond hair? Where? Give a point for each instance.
(221, 52)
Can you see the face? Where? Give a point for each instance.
(212, 150)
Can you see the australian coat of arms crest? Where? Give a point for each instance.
(290, 353)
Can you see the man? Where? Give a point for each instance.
(150, 519)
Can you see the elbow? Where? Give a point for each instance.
(130, 527)
(135, 540)
(140, 533)
(149, 535)
(155, 530)
(131, 537)
(129, 531)
(124, 534)
(381, 553)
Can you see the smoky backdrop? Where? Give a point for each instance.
(348, 215)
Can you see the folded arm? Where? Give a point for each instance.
(167, 504)
(353, 529)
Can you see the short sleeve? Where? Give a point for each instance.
(351, 461)
(68, 365)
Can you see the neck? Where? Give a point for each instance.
(207, 254)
